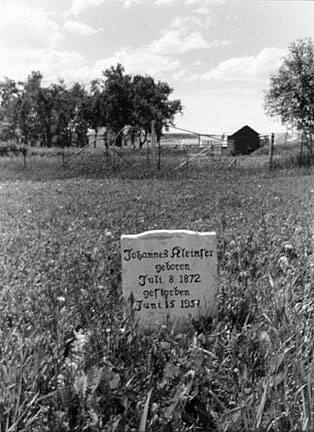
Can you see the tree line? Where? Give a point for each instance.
(290, 96)
(59, 114)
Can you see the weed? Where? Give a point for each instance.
(72, 357)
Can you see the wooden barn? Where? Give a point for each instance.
(244, 141)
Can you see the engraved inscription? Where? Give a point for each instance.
(169, 273)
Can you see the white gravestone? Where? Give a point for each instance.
(170, 275)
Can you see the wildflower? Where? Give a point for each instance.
(60, 380)
(266, 343)
(289, 250)
(79, 347)
(154, 407)
(283, 263)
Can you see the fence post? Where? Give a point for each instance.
(147, 152)
(153, 138)
(271, 151)
(62, 155)
(159, 155)
(187, 156)
(24, 152)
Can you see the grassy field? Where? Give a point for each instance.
(45, 164)
(73, 360)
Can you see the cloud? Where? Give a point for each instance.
(78, 6)
(204, 2)
(186, 23)
(29, 42)
(248, 68)
(129, 3)
(73, 66)
(245, 70)
(138, 60)
(189, 2)
(161, 55)
(53, 64)
(183, 36)
(25, 27)
(78, 27)
(179, 76)
(174, 42)
(165, 2)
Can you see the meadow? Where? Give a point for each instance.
(71, 355)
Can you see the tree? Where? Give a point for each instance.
(135, 102)
(94, 108)
(43, 101)
(291, 92)
(17, 113)
(76, 120)
(151, 102)
(9, 95)
(58, 110)
(61, 114)
(117, 98)
(52, 114)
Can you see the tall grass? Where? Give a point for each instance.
(72, 355)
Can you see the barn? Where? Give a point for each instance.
(244, 141)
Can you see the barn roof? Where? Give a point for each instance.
(244, 129)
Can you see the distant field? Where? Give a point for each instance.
(282, 149)
(61, 273)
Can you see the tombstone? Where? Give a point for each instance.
(170, 275)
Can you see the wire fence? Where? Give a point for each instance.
(170, 156)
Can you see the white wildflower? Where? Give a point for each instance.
(283, 263)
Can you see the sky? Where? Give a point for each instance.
(217, 55)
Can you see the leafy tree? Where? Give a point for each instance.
(54, 113)
(43, 100)
(291, 92)
(94, 108)
(9, 95)
(151, 102)
(117, 97)
(76, 120)
(58, 110)
(135, 102)
(62, 114)
(17, 114)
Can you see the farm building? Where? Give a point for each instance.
(244, 141)
(179, 140)
(193, 140)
